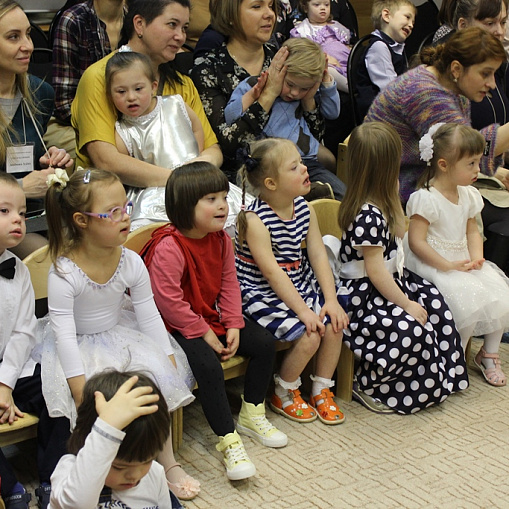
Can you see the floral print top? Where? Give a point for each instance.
(216, 76)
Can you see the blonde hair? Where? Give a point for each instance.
(306, 58)
(22, 84)
(452, 142)
(62, 202)
(374, 155)
(391, 5)
(262, 159)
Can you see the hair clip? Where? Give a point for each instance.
(426, 143)
(86, 177)
(244, 156)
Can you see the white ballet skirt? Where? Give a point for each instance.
(108, 330)
(478, 299)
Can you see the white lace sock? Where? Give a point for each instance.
(282, 387)
(320, 383)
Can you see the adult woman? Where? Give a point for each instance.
(26, 104)
(156, 28)
(460, 71)
(248, 24)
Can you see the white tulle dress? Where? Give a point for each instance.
(92, 327)
(478, 299)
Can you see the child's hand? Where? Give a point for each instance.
(212, 340)
(461, 265)
(417, 311)
(312, 322)
(308, 101)
(260, 85)
(477, 264)
(126, 405)
(232, 343)
(9, 412)
(338, 317)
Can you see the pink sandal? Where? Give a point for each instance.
(494, 376)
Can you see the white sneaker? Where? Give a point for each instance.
(237, 462)
(253, 423)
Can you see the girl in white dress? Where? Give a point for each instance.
(444, 245)
(94, 325)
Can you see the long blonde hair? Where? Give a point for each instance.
(22, 84)
(374, 154)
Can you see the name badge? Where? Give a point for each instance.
(20, 159)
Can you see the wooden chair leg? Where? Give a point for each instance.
(177, 428)
(345, 373)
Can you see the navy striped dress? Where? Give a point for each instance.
(259, 301)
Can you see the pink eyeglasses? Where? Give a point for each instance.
(116, 214)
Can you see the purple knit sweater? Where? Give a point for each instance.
(412, 103)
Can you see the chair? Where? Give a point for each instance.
(138, 238)
(38, 264)
(38, 36)
(426, 21)
(327, 214)
(354, 58)
(41, 64)
(427, 41)
(342, 162)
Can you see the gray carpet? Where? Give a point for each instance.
(455, 455)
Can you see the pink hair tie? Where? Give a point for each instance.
(243, 207)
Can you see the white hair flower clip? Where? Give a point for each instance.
(59, 178)
(426, 143)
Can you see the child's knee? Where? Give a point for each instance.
(309, 343)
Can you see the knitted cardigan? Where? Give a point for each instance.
(412, 103)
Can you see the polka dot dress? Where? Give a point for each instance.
(403, 364)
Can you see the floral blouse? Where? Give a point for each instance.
(216, 76)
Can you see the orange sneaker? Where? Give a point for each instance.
(327, 409)
(298, 410)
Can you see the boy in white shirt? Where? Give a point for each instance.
(20, 380)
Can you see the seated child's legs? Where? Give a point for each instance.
(209, 375)
(488, 359)
(341, 81)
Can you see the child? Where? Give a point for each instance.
(20, 376)
(292, 298)
(192, 270)
(92, 324)
(305, 86)
(400, 326)
(122, 426)
(384, 59)
(445, 247)
(331, 35)
(163, 131)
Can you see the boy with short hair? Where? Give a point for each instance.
(384, 59)
(308, 90)
(20, 380)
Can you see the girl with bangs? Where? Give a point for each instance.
(400, 325)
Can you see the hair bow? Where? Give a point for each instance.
(244, 156)
(426, 143)
(59, 178)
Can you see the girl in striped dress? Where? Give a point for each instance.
(291, 295)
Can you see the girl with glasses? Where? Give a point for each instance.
(93, 323)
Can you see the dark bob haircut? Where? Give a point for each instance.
(144, 438)
(186, 186)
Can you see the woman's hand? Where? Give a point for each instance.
(127, 404)
(34, 184)
(58, 158)
(312, 322)
(417, 311)
(338, 317)
(275, 79)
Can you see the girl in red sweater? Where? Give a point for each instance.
(192, 270)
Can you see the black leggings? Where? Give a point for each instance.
(255, 343)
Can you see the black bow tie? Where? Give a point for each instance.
(8, 268)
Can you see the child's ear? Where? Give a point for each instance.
(80, 219)
(154, 86)
(386, 15)
(462, 23)
(442, 164)
(270, 183)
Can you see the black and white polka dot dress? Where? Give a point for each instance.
(403, 364)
